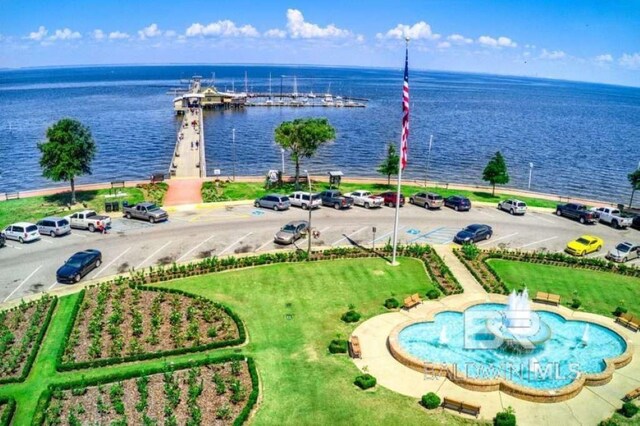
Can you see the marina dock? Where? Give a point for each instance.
(189, 155)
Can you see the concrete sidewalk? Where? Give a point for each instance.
(183, 191)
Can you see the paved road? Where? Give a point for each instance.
(30, 268)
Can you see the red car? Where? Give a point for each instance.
(391, 197)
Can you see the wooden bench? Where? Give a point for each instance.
(12, 196)
(461, 407)
(549, 298)
(354, 347)
(412, 301)
(629, 321)
(632, 395)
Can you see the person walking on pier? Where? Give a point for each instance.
(192, 145)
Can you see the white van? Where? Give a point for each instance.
(22, 232)
(305, 199)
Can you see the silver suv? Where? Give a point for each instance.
(428, 200)
(513, 206)
(305, 199)
(273, 201)
(53, 226)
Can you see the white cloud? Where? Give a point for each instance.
(499, 42)
(299, 28)
(117, 35)
(170, 33)
(38, 35)
(65, 34)
(150, 32)
(555, 54)
(459, 39)
(604, 58)
(444, 45)
(98, 34)
(630, 60)
(275, 33)
(224, 28)
(418, 31)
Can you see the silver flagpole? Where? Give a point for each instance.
(397, 215)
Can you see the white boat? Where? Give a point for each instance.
(311, 95)
(327, 99)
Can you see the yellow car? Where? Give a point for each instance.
(584, 245)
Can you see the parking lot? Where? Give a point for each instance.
(219, 230)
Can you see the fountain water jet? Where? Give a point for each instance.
(585, 336)
(443, 340)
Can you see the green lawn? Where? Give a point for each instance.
(251, 190)
(291, 312)
(599, 292)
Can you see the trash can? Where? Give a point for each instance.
(107, 206)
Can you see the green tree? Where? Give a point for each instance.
(634, 180)
(67, 152)
(302, 137)
(391, 163)
(496, 171)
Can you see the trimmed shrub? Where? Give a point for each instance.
(365, 381)
(430, 401)
(505, 418)
(351, 316)
(619, 311)
(608, 422)
(575, 303)
(629, 409)
(433, 294)
(470, 251)
(391, 303)
(338, 346)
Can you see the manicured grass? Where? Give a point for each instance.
(291, 311)
(252, 190)
(599, 292)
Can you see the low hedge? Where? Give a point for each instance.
(505, 418)
(7, 414)
(391, 303)
(365, 381)
(430, 401)
(629, 409)
(338, 346)
(351, 316)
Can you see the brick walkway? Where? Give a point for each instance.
(183, 191)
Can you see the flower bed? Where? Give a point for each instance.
(118, 322)
(21, 331)
(7, 408)
(208, 392)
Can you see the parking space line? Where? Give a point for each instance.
(234, 243)
(52, 286)
(538, 242)
(151, 255)
(105, 267)
(264, 245)
(539, 216)
(22, 283)
(426, 234)
(46, 241)
(194, 248)
(481, 211)
(349, 236)
(75, 234)
(13, 247)
(387, 234)
(498, 239)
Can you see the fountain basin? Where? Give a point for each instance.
(554, 371)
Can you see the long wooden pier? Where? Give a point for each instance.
(189, 160)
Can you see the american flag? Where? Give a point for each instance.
(405, 114)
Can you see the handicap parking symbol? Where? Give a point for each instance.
(413, 231)
(257, 213)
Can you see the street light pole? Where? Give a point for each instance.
(428, 160)
(530, 172)
(233, 142)
(310, 208)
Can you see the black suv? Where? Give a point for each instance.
(458, 203)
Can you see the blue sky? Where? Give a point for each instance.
(577, 40)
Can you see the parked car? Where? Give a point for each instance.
(365, 199)
(577, 212)
(145, 211)
(335, 199)
(458, 203)
(614, 217)
(513, 206)
(305, 200)
(3, 240)
(428, 200)
(584, 245)
(291, 232)
(624, 252)
(53, 226)
(89, 219)
(22, 232)
(273, 201)
(79, 265)
(473, 233)
(390, 198)
(635, 223)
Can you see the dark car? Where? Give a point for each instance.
(473, 233)
(391, 198)
(2, 241)
(79, 265)
(636, 222)
(458, 203)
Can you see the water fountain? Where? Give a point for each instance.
(443, 340)
(585, 336)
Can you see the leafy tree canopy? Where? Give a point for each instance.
(496, 171)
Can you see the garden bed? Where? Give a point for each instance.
(7, 408)
(207, 394)
(21, 332)
(119, 322)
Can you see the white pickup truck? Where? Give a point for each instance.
(614, 217)
(366, 199)
(89, 219)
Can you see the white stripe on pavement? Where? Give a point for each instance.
(22, 283)
(194, 248)
(13, 247)
(52, 286)
(501, 238)
(75, 234)
(105, 267)
(538, 242)
(151, 255)
(234, 243)
(539, 216)
(388, 233)
(46, 241)
(349, 236)
(264, 245)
